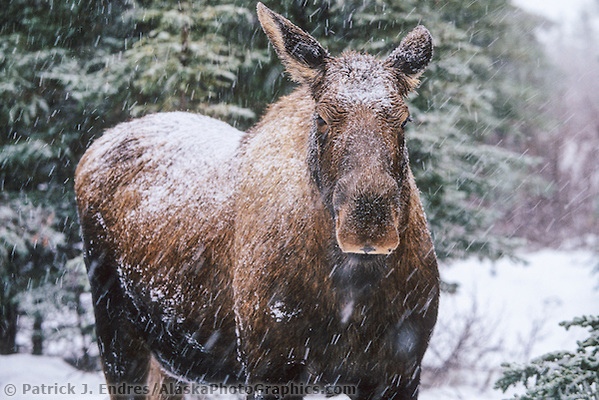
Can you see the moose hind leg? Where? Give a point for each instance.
(125, 356)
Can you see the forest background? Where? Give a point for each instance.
(504, 142)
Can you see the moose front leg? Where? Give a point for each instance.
(275, 378)
(406, 390)
(280, 381)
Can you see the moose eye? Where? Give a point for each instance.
(321, 125)
(403, 124)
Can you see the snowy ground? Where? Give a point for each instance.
(508, 312)
(504, 311)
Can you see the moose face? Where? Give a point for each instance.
(357, 153)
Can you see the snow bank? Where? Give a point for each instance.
(517, 308)
(550, 287)
(24, 377)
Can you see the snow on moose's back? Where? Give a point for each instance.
(181, 153)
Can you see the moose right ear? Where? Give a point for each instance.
(301, 54)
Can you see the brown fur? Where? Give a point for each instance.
(247, 268)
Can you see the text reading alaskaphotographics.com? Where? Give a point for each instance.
(124, 389)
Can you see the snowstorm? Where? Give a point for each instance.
(366, 199)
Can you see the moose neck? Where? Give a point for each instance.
(357, 275)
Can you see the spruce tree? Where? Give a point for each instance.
(44, 48)
(560, 374)
(181, 55)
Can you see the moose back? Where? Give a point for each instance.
(295, 252)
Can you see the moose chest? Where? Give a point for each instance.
(328, 326)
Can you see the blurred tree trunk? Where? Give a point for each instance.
(8, 323)
(37, 338)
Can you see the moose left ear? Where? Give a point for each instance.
(301, 54)
(413, 53)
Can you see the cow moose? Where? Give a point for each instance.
(297, 252)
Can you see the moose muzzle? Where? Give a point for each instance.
(366, 217)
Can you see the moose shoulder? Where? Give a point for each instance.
(296, 252)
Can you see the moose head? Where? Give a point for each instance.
(357, 151)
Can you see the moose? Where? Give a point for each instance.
(297, 252)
